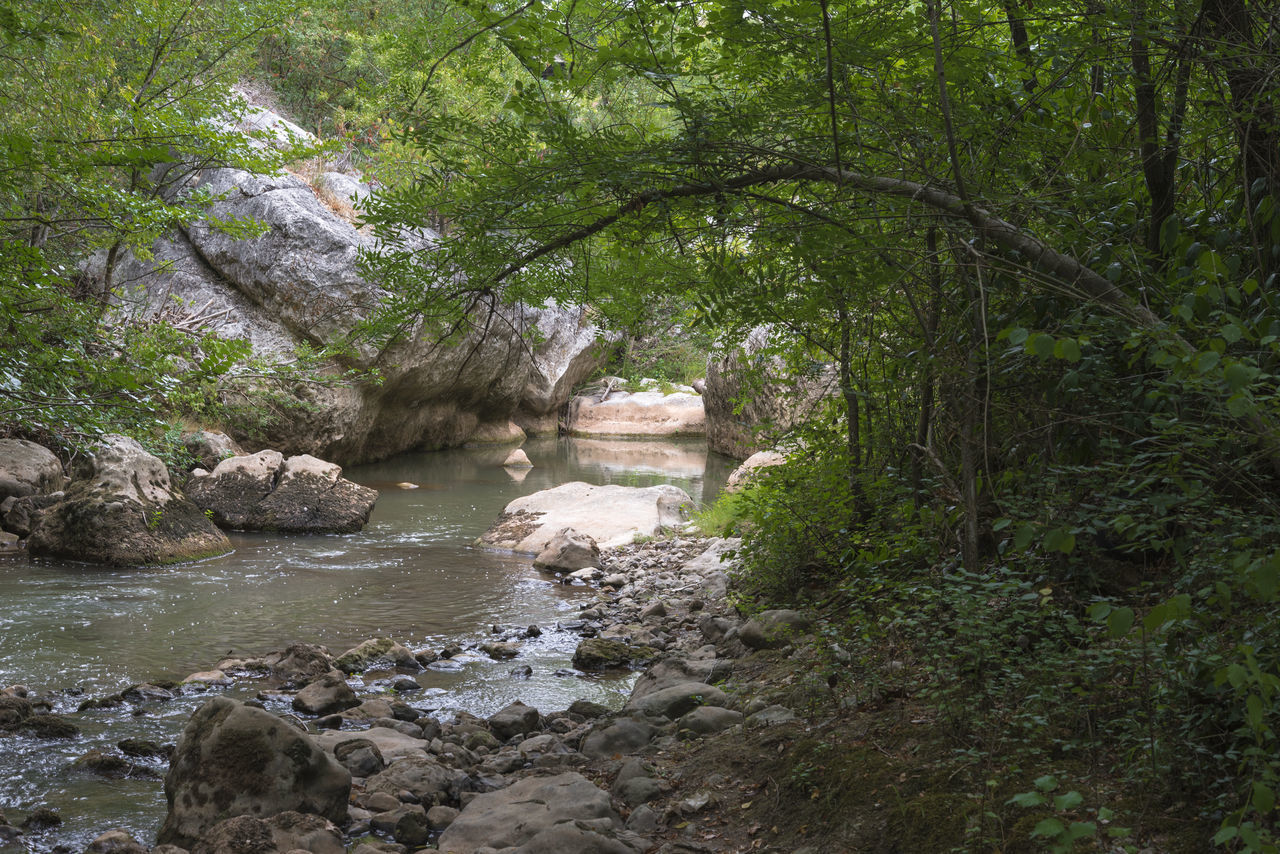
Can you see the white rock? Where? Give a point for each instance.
(611, 515)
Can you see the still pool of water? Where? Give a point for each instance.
(413, 574)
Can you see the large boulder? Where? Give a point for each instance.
(752, 399)
(514, 816)
(122, 509)
(610, 515)
(751, 466)
(774, 629)
(298, 495)
(28, 469)
(237, 760)
(643, 413)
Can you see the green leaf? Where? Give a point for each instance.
(1098, 611)
(1156, 618)
(1067, 348)
(1018, 336)
(1240, 405)
(1225, 835)
(1040, 344)
(1050, 827)
(1206, 361)
(1069, 801)
(1081, 829)
(1238, 375)
(1119, 621)
(1253, 712)
(1046, 783)
(1264, 797)
(1024, 535)
(1027, 799)
(1060, 540)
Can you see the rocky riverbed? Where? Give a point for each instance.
(352, 770)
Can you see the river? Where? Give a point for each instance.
(413, 574)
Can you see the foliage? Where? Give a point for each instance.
(107, 113)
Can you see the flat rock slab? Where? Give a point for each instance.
(644, 413)
(517, 814)
(392, 744)
(610, 515)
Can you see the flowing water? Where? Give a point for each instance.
(413, 574)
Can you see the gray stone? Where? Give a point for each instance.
(752, 400)
(440, 817)
(623, 736)
(674, 671)
(642, 413)
(407, 824)
(324, 696)
(708, 720)
(607, 653)
(771, 715)
(210, 447)
(774, 629)
(515, 719)
(515, 816)
(237, 760)
(360, 756)
(117, 841)
(569, 550)
(637, 790)
(28, 469)
(376, 654)
(678, 699)
(426, 777)
(300, 283)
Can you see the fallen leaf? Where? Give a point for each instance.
(747, 805)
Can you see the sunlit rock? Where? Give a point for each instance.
(611, 515)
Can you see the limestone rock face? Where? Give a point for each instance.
(644, 413)
(122, 509)
(610, 515)
(28, 469)
(516, 815)
(749, 410)
(265, 492)
(237, 760)
(299, 284)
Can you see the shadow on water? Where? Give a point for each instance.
(413, 574)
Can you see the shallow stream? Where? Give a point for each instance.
(413, 574)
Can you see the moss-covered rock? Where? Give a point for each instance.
(121, 509)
